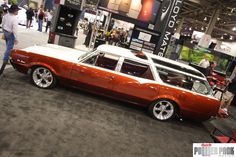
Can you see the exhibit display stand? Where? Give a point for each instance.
(64, 22)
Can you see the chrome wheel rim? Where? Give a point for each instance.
(42, 77)
(163, 110)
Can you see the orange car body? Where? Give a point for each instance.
(112, 83)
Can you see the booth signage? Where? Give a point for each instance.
(75, 4)
(141, 10)
(167, 19)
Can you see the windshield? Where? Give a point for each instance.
(82, 57)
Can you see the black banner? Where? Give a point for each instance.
(166, 21)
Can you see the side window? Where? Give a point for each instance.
(175, 78)
(184, 81)
(200, 87)
(103, 60)
(136, 69)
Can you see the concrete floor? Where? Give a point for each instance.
(65, 122)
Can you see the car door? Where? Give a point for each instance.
(96, 74)
(135, 83)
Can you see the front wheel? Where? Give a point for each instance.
(43, 78)
(163, 109)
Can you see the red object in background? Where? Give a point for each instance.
(57, 1)
(217, 80)
(222, 113)
(220, 137)
(146, 11)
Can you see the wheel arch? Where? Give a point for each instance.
(170, 98)
(38, 64)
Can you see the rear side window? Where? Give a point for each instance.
(184, 81)
(136, 69)
(175, 78)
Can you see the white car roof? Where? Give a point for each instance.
(171, 61)
(116, 51)
(128, 53)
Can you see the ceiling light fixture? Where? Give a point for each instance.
(205, 19)
(234, 29)
(222, 37)
(231, 37)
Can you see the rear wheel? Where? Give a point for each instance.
(43, 78)
(163, 109)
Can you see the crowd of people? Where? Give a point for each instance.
(114, 36)
(40, 15)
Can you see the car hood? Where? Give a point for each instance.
(56, 51)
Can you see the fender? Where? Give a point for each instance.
(169, 97)
(44, 65)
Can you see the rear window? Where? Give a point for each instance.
(176, 67)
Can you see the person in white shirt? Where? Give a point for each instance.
(9, 26)
(204, 62)
(49, 19)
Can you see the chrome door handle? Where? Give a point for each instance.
(112, 77)
(153, 87)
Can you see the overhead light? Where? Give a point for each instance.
(190, 28)
(225, 34)
(231, 37)
(205, 19)
(218, 19)
(222, 37)
(234, 29)
(202, 28)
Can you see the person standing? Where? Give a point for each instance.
(49, 20)
(88, 37)
(4, 10)
(29, 17)
(9, 25)
(210, 74)
(204, 62)
(229, 94)
(40, 20)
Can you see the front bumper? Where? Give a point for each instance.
(20, 67)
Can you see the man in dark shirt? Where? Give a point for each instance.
(29, 17)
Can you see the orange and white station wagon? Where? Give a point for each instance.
(166, 87)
